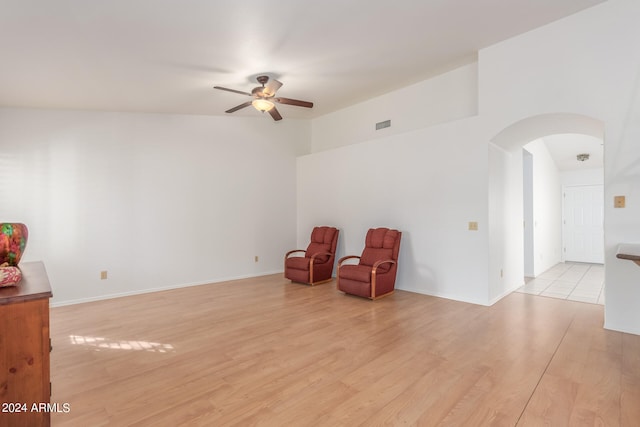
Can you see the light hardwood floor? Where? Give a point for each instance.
(268, 352)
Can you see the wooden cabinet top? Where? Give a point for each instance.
(34, 285)
(629, 251)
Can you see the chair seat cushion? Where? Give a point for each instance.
(298, 262)
(360, 273)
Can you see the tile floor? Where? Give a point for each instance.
(573, 281)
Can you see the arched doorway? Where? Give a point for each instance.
(506, 191)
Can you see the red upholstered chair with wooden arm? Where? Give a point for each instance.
(375, 274)
(316, 265)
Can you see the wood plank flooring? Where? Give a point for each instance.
(268, 352)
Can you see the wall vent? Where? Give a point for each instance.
(382, 125)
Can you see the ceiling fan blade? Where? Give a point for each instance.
(239, 107)
(295, 102)
(232, 90)
(272, 86)
(275, 114)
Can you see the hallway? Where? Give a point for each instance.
(573, 281)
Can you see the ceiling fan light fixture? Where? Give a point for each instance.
(263, 105)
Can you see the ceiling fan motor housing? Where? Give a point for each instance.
(258, 92)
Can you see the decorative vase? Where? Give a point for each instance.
(13, 240)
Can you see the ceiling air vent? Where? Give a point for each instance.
(382, 125)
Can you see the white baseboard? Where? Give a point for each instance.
(504, 294)
(160, 289)
(439, 295)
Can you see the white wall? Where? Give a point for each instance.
(361, 178)
(547, 208)
(450, 96)
(156, 200)
(401, 182)
(505, 251)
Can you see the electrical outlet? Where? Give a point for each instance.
(618, 202)
(473, 226)
(103, 275)
(256, 258)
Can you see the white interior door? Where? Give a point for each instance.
(583, 224)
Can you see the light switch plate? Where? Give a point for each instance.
(473, 226)
(618, 202)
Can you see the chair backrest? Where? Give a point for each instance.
(323, 239)
(380, 244)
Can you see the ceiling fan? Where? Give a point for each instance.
(264, 98)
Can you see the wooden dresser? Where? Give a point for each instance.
(24, 349)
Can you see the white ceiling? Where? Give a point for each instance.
(564, 149)
(164, 56)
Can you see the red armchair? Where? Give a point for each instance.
(375, 274)
(316, 265)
